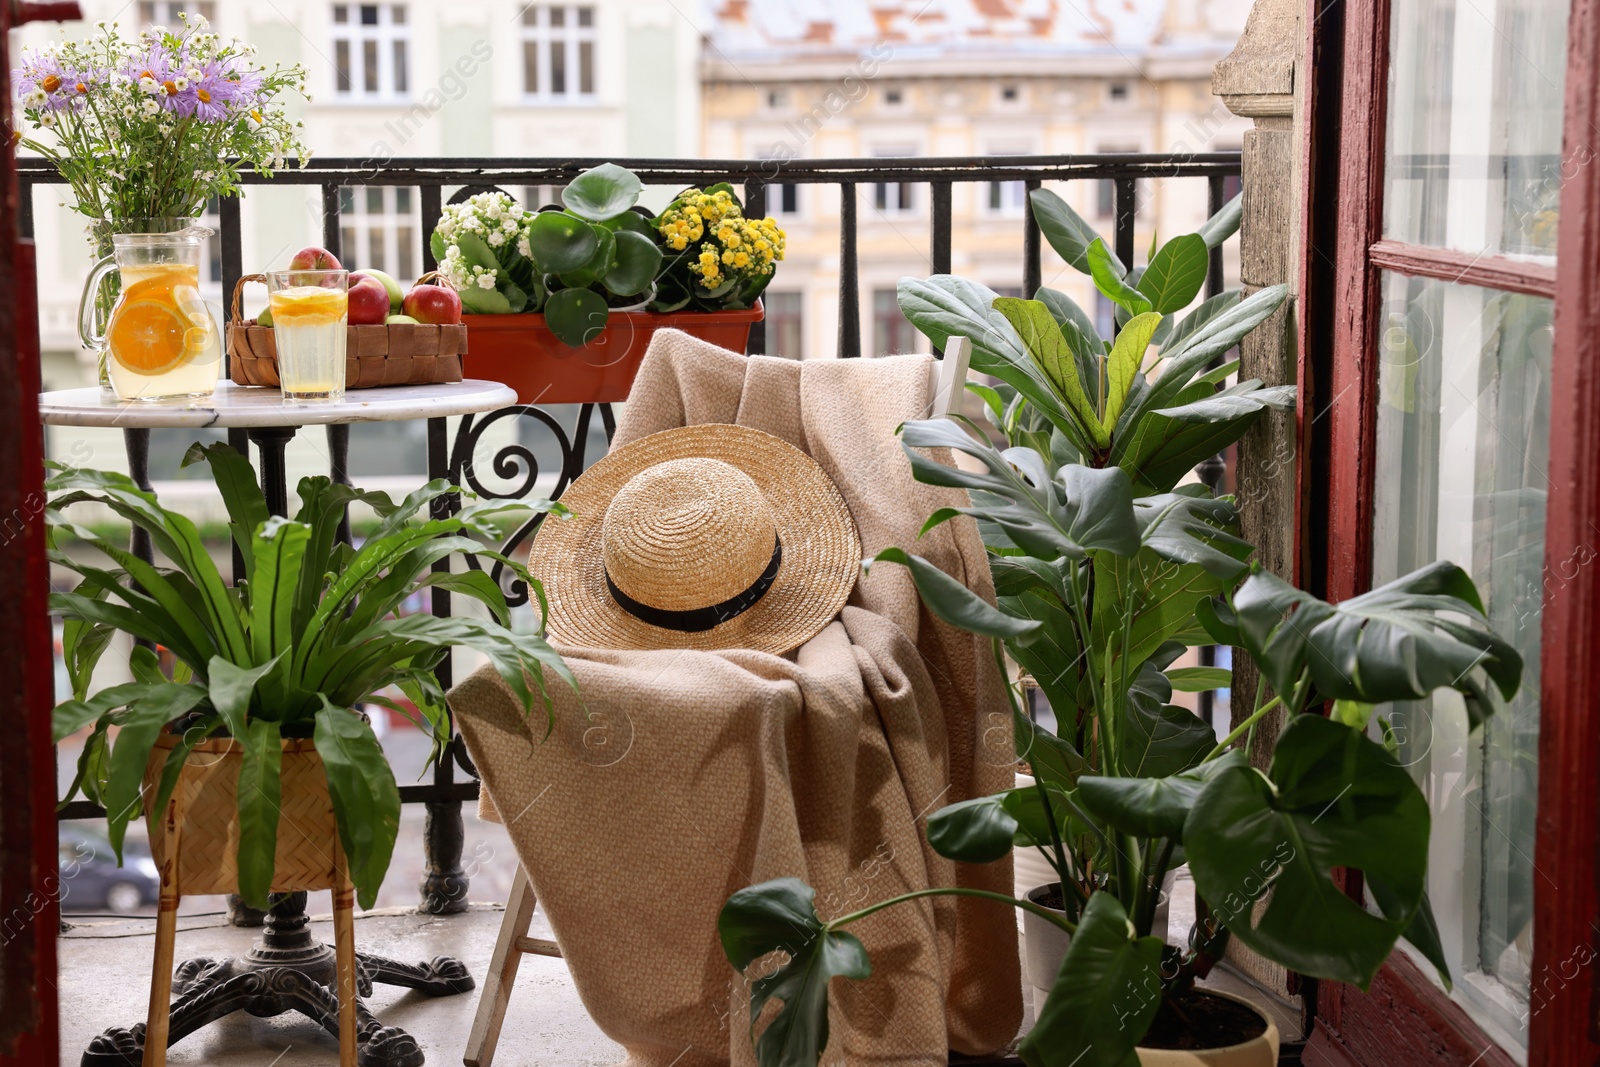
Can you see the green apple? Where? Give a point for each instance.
(395, 319)
(396, 294)
(265, 318)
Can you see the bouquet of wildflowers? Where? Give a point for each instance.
(481, 246)
(716, 259)
(153, 126)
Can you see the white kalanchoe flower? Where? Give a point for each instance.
(496, 239)
(486, 280)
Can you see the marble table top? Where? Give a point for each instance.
(242, 406)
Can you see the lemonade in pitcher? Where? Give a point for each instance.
(309, 317)
(161, 339)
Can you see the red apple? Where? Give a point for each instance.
(433, 304)
(314, 258)
(369, 301)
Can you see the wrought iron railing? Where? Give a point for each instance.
(444, 887)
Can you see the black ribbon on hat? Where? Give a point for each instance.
(699, 620)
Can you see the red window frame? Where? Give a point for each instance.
(1404, 1019)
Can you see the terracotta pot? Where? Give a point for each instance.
(1259, 1051)
(522, 352)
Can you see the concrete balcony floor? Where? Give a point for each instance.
(105, 981)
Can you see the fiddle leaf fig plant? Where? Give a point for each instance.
(312, 632)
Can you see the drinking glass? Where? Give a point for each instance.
(308, 324)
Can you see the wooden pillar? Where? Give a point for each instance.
(1258, 81)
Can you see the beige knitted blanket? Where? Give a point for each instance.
(684, 776)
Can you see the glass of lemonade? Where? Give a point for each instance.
(308, 325)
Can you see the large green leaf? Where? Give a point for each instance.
(241, 493)
(1052, 759)
(366, 801)
(260, 803)
(138, 729)
(561, 242)
(1125, 363)
(1066, 231)
(1176, 273)
(1332, 798)
(979, 830)
(635, 264)
(946, 306)
(1208, 309)
(1047, 347)
(951, 601)
(1152, 807)
(1082, 335)
(779, 916)
(601, 192)
(1191, 526)
(1078, 510)
(1401, 641)
(1103, 998)
(1116, 287)
(1224, 224)
(279, 548)
(231, 688)
(1156, 740)
(576, 316)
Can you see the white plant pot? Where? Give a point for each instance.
(1045, 946)
(1259, 1051)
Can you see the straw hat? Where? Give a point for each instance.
(709, 536)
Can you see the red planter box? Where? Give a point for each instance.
(520, 351)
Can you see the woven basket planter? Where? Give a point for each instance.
(195, 845)
(395, 354)
(195, 842)
(522, 352)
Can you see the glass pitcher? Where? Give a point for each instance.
(160, 340)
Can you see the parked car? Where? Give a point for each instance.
(91, 879)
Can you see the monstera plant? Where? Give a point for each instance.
(1106, 571)
(309, 634)
(1133, 785)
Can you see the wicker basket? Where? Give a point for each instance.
(195, 842)
(395, 354)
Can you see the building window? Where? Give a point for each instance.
(558, 46)
(535, 197)
(379, 227)
(1010, 95)
(371, 52)
(167, 12)
(1006, 198)
(784, 199)
(894, 97)
(894, 198)
(785, 324)
(892, 333)
(1117, 92)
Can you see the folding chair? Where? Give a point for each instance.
(947, 378)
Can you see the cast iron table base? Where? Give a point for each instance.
(288, 971)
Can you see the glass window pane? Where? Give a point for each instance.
(530, 15)
(784, 326)
(369, 63)
(400, 80)
(586, 67)
(1463, 428)
(1474, 140)
(347, 200)
(369, 14)
(530, 66)
(558, 67)
(558, 16)
(347, 247)
(402, 200)
(341, 13)
(586, 16)
(374, 200)
(397, 14)
(379, 258)
(341, 64)
(405, 266)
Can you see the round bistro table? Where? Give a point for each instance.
(287, 970)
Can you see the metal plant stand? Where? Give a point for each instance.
(288, 970)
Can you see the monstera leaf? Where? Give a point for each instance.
(1332, 798)
(779, 916)
(1401, 641)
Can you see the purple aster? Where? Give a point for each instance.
(213, 92)
(45, 74)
